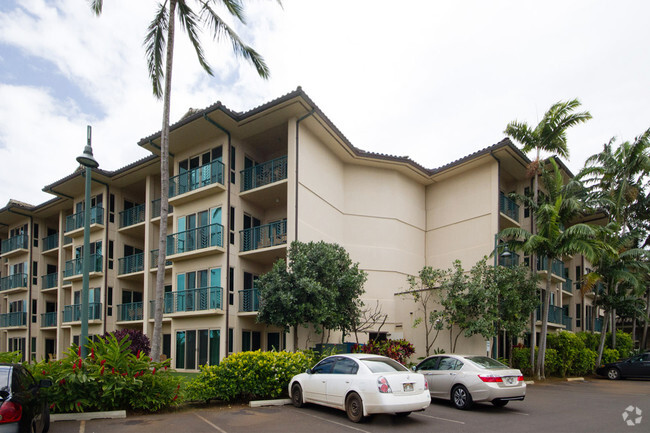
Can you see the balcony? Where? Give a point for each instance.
(48, 320)
(131, 264)
(154, 260)
(132, 216)
(50, 281)
(598, 325)
(185, 301)
(15, 281)
(510, 261)
(129, 312)
(567, 321)
(14, 245)
(75, 223)
(74, 267)
(18, 318)
(265, 236)
(249, 301)
(50, 243)
(567, 285)
(198, 182)
(557, 268)
(264, 174)
(510, 209)
(555, 314)
(72, 313)
(155, 208)
(195, 242)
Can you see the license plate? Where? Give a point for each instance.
(510, 380)
(408, 387)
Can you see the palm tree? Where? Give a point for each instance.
(550, 136)
(159, 47)
(555, 209)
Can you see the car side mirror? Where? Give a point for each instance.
(45, 383)
(308, 371)
(413, 368)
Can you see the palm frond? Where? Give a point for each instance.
(523, 134)
(96, 6)
(188, 20)
(154, 43)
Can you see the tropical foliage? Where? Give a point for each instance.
(399, 350)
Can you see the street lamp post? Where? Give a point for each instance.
(505, 253)
(88, 161)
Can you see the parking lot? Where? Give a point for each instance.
(596, 405)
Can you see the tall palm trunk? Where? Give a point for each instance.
(533, 258)
(613, 328)
(644, 341)
(164, 189)
(601, 344)
(545, 310)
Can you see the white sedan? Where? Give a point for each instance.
(465, 379)
(361, 385)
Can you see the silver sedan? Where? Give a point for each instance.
(465, 379)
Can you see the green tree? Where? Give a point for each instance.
(557, 208)
(320, 286)
(193, 15)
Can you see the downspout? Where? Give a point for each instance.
(30, 265)
(495, 342)
(226, 176)
(297, 167)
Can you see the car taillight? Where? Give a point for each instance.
(10, 412)
(520, 378)
(490, 378)
(383, 386)
(426, 384)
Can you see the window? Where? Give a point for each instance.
(251, 340)
(232, 225)
(109, 301)
(35, 235)
(527, 208)
(111, 209)
(17, 343)
(429, 364)
(231, 287)
(274, 341)
(202, 345)
(34, 272)
(233, 160)
(34, 312)
(325, 366)
(33, 348)
(110, 254)
(378, 336)
(231, 338)
(447, 363)
(383, 365)
(578, 315)
(345, 366)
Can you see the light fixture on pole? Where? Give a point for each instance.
(88, 161)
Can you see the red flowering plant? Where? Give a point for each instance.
(111, 377)
(399, 350)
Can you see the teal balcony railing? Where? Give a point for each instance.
(567, 321)
(557, 266)
(567, 286)
(202, 299)
(130, 264)
(76, 221)
(72, 313)
(51, 242)
(18, 318)
(196, 178)
(510, 261)
(168, 305)
(67, 240)
(508, 207)
(249, 300)
(75, 266)
(598, 325)
(128, 312)
(14, 243)
(14, 281)
(195, 239)
(48, 319)
(50, 280)
(155, 208)
(154, 259)
(264, 236)
(132, 216)
(555, 314)
(264, 174)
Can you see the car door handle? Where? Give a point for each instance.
(428, 374)
(452, 374)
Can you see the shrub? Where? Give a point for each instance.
(521, 360)
(589, 339)
(247, 376)
(110, 378)
(138, 342)
(569, 347)
(399, 350)
(584, 362)
(11, 357)
(610, 355)
(624, 343)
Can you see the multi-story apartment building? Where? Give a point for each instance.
(242, 187)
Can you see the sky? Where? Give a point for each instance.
(432, 80)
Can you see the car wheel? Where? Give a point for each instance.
(461, 398)
(500, 403)
(402, 414)
(46, 420)
(613, 373)
(296, 395)
(354, 407)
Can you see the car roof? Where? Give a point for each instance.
(358, 355)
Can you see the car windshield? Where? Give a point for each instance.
(383, 365)
(4, 378)
(485, 362)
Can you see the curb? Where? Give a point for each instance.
(85, 416)
(529, 382)
(278, 402)
(575, 379)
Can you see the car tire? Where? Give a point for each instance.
(461, 398)
(500, 403)
(402, 414)
(354, 407)
(613, 374)
(296, 395)
(46, 420)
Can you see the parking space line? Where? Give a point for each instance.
(82, 426)
(216, 427)
(442, 419)
(334, 422)
(521, 413)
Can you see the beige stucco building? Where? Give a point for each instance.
(243, 186)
